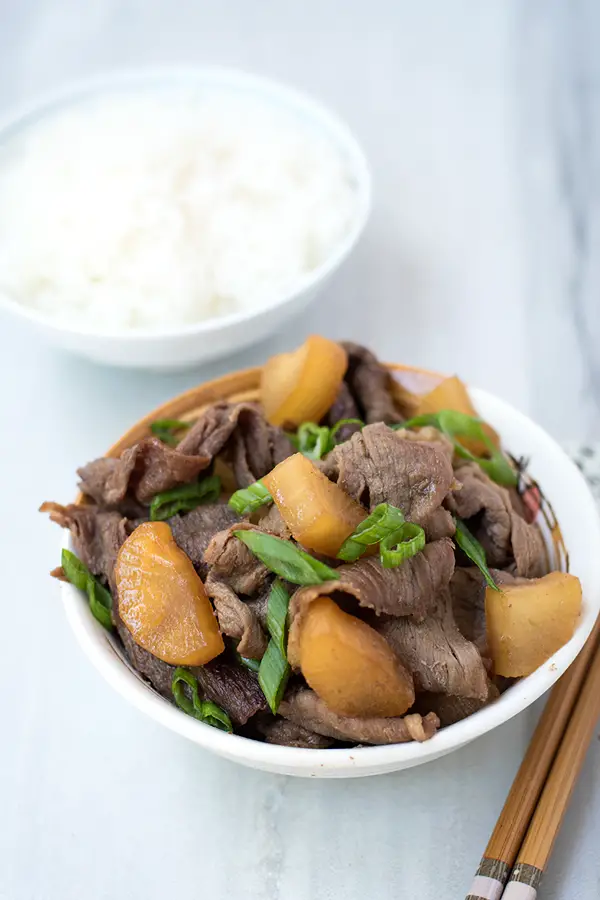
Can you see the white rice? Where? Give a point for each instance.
(151, 209)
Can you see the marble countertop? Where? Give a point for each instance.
(481, 124)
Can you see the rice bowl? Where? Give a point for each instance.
(149, 306)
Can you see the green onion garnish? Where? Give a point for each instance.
(252, 664)
(341, 424)
(184, 498)
(248, 500)
(273, 675)
(100, 603)
(383, 521)
(274, 669)
(316, 441)
(285, 559)
(99, 597)
(277, 610)
(215, 716)
(204, 710)
(473, 549)
(457, 424)
(401, 545)
(313, 440)
(165, 430)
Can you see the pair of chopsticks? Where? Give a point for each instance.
(522, 841)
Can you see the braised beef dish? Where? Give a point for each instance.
(344, 562)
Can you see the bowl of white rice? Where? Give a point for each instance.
(163, 218)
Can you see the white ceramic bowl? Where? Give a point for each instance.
(184, 346)
(568, 494)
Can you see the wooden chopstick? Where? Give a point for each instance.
(504, 844)
(547, 819)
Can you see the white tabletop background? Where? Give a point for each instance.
(482, 125)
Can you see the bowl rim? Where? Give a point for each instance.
(97, 645)
(295, 100)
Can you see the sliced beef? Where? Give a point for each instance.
(439, 524)
(259, 602)
(59, 573)
(237, 620)
(271, 520)
(154, 670)
(230, 561)
(101, 481)
(242, 434)
(344, 407)
(194, 530)
(429, 435)
(481, 497)
(238, 430)
(287, 734)
(233, 688)
(528, 548)
(304, 708)
(440, 658)
(408, 590)
(97, 535)
(377, 466)
(518, 504)
(467, 589)
(142, 471)
(451, 709)
(490, 514)
(502, 683)
(370, 386)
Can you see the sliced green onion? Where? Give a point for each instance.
(341, 424)
(184, 498)
(313, 440)
(165, 430)
(457, 424)
(77, 573)
(203, 710)
(273, 675)
(316, 441)
(277, 610)
(193, 706)
(252, 664)
(215, 716)
(100, 604)
(404, 543)
(471, 547)
(285, 559)
(171, 424)
(383, 521)
(248, 500)
(274, 669)
(99, 597)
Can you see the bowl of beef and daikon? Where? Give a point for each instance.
(331, 567)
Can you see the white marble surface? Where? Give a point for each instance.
(481, 123)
